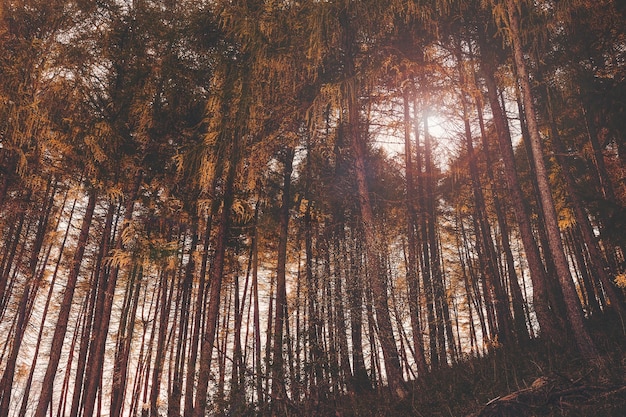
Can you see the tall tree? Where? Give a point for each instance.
(278, 368)
(545, 316)
(574, 313)
(64, 312)
(412, 230)
(375, 268)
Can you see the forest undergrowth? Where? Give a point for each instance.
(541, 379)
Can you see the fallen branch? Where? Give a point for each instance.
(545, 393)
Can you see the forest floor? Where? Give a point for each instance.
(536, 380)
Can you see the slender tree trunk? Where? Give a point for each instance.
(374, 355)
(296, 360)
(412, 261)
(97, 281)
(199, 311)
(331, 343)
(222, 336)
(152, 317)
(278, 372)
(518, 302)
(355, 300)
(256, 314)
(175, 397)
(161, 348)
(268, 343)
(64, 311)
(314, 325)
(545, 317)
(463, 256)
(339, 305)
(555, 295)
(97, 347)
(125, 337)
(473, 288)
(26, 302)
(606, 186)
(574, 314)
(423, 238)
(8, 258)
(588, 285)
(44, 315)
(238, 389)
(62, 407)
(596, 257)
(433, 248)
(494, 280)
(376, 271)
(217, 270)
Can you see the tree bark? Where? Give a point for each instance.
(97, 281)
(439, 296)
(596, 257)
(175, 397)
(372, 251)
(26, 301)
(494, 280)
(423, 239)
(545, 317)
(278, 372)
(574, 314)
(64, 311)
(412, 261)
(97, 347)
(167, 290)
(215, 282)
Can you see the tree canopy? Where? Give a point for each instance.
(278, 208)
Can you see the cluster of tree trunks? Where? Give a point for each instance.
(195, 217)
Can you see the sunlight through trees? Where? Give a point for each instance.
(281, 207)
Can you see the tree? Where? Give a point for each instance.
(545, 317)
(574, 313)
(278, 370)
(375, 269)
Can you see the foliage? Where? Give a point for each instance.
(310, 208)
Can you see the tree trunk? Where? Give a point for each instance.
(494, 280)
(339, 305)
(215, 282)
(412, 261)
(518, 302)
(26, 302)
(372, 251)
(64, 311)
(97, 281)
(574, 314)
(44, 314)
(175, 397)
(441, 303)
(278, 372)
(596, 257)
(555, 295)
(11, 241)
(256, 316)
(355, 300)
(125, 337)
(545, 317)
(200, 305)
(315, 351)
(101, 326)
(159, 358)
(425, 258)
